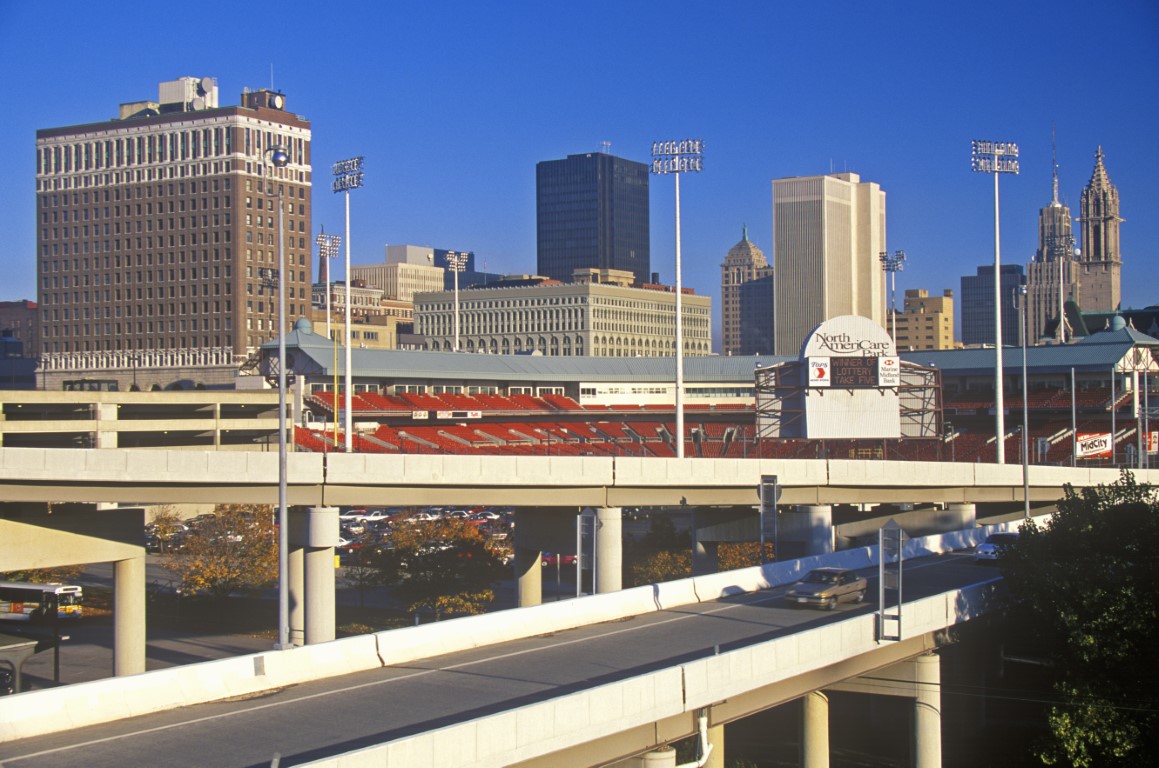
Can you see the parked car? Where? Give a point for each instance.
(826, 587)
(551, 558)
(993, 548)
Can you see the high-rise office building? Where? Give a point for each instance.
(927, 322)
(1051, 277)
(978, 305)
(591, 212)
(1100, 262)
(757, 308)
(828, 232)
(157, 231)
(743, 263)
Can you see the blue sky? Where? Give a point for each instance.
(453, 103)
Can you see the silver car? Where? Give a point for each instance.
(992, 549)
(826, 587)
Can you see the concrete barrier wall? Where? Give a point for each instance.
(569, 721)
(70, 706)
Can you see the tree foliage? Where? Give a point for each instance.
(445, 566)
(61, 575)
(1085, 591)
(234, 551)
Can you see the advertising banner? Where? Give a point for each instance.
(888, 372)
(818, 371)
(1093, 445)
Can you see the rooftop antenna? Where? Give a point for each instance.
(606, 147)
(272, 76)
(1054, 165)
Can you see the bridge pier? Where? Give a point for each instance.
(609, 565)
(815, 730)
(920, 679)
(716, 739)
(927, 678)
(313, 535)
(129, 616)
(806, 529)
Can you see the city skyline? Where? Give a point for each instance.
(452, 107)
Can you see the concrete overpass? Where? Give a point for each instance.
(316, 479)
(581, 682)
(546, 491)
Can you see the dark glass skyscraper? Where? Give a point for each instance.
(978, 305)
(592, 212)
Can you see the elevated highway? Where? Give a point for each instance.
(577, 683)
(315, 479)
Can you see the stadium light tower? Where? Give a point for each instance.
(892, 264)
(348, 176)
(328, 246)
(279, 158)
(456, 262)
(996, 157)
(676, 157)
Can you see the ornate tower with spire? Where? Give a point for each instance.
(1101, 261)
(744, 263)
(1051, 276)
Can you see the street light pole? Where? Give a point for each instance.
(675, 157)
(348, 176)
(456, 262)
(1023, 323)
(279, 158)
(996, 157)
(892, 264)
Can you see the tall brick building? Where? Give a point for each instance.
(157, 230)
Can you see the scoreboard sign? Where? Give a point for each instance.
(856, 372)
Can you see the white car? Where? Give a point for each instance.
(992, 549)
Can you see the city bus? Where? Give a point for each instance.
(38, 602)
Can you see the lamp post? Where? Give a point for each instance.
(279, 158)
(456, 262)
(892, 264)
(348, 176)
(996, 157)
(676, 157)
(1023, 322)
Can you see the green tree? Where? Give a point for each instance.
(234, 551)
(445, 566)
(1085, 591)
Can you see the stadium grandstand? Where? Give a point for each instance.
(439, 402)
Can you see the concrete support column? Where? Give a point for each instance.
(716, 739)
(609, 550)
(296, 574)
(322, 532)
(313, 536)
(958, 517)
(806, 529)
(705, 542)
(928, 711)
(660, 758)
(528, 576)
(129, 616)
(815, 730)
